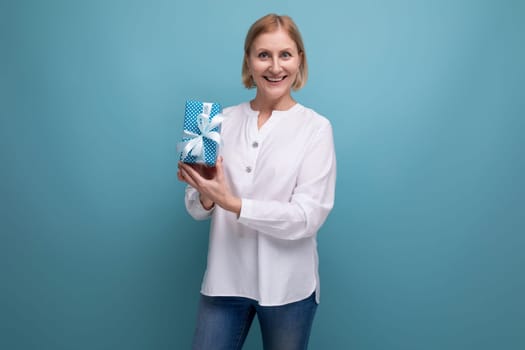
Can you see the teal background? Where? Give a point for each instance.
(423, 250)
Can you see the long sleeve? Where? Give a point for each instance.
(194, 206)
(312, 198)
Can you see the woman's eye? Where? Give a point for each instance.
(286, 54)
(263, 55)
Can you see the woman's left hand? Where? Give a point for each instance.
(216, 189)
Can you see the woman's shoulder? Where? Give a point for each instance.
(235, 109)
(312, 116)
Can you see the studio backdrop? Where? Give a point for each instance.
(424, 249)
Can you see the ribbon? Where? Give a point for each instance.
(194, 146)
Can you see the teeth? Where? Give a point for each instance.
(275, 79)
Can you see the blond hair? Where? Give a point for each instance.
(268, 24)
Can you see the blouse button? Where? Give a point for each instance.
(248, 169)
(255, 144)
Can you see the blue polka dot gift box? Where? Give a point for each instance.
(201, 136)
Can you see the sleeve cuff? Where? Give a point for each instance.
(247, 213)
(198, 211)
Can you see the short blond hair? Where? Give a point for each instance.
(268, 24)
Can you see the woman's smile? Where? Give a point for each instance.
(275, 79)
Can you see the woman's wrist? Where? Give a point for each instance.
(234, 205)
(206, 203)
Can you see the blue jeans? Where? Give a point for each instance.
(223, 323)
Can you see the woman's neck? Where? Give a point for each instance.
(266, 106)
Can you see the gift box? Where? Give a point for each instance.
(201, 136)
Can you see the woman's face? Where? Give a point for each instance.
(274, 62)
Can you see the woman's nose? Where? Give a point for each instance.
(275, 66)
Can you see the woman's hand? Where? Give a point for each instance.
(212, 190)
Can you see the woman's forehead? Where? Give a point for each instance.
(274, 39)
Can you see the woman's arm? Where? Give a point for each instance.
(311, 201)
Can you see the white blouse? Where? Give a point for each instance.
(284, 174)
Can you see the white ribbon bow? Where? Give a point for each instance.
(195, 145)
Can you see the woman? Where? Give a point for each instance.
(273, 189)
